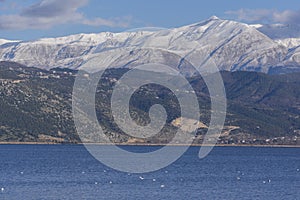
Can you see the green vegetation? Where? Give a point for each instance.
(36, 106)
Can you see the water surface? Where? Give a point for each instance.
(70, 172)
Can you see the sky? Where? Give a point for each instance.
(33, 19)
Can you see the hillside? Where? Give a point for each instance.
(36, 106)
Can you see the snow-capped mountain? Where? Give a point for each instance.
(231, 45)
(288, 36)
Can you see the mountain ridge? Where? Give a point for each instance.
(233, 46)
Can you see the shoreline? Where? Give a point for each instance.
(145, 144)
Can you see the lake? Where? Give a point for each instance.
(70, 172)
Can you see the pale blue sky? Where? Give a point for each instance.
(31, 19)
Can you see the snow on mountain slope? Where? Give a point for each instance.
(231, 45)
(287, 35)
(3, 41)
(279, 31)
(290, 43)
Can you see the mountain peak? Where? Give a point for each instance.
(214, 18)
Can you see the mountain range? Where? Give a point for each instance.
(259, 64)
(233, 46)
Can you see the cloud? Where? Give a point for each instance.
(266, 16)
(116, 22)
(251, 15)
(53, 8)
(287, 17)
(49, 13)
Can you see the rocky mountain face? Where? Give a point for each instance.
(233, 46)
(36, 106)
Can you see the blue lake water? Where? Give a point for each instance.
(70, 172)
